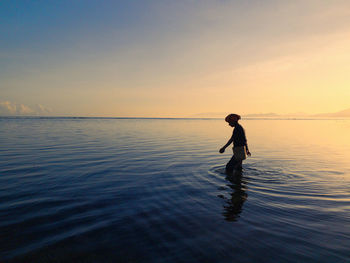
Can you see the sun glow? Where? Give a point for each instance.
(214, 57)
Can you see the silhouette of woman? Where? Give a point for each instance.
(240, 146)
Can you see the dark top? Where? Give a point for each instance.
(239, 138)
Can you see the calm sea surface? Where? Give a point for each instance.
(152, 190)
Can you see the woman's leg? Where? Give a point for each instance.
(231, 165)
(238, 165)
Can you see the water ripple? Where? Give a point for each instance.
(111, 190)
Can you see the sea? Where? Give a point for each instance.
(154, 190)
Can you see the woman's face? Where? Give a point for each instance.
(232, 123)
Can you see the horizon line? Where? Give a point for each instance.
(169, 118)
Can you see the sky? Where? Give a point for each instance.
(173, 58)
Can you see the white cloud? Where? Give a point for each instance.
(11, 108)
(42, 110)
(24, 110)
(6, 107)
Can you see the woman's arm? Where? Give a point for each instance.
(246, 147)
(246, 144)
(226, 145)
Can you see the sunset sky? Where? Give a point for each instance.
(173, 58)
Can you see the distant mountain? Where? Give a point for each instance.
(262, 115)
(275, 115)
(209, 115)
(339, 114)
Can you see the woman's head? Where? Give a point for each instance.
(232, 119)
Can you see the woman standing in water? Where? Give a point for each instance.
(240, 146)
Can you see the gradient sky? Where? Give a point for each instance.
(173, 58)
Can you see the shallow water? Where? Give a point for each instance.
(152, 190)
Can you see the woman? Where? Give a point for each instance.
(240, 146)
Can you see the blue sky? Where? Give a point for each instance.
(173, 58)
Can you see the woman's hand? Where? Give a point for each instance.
(248, 153)
(222, 150)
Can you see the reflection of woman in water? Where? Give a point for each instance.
(234, 205)
(240, 146)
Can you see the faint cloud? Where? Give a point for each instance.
(40, 109)
(6, 107)
(24, 110)
(9, 108)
